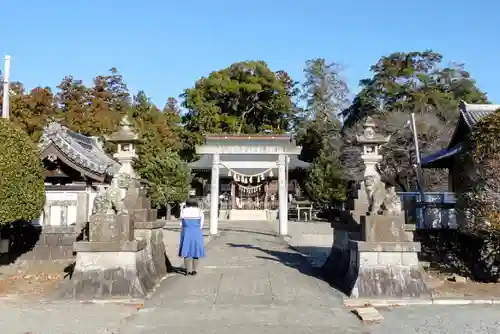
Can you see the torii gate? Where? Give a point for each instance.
(278, 150)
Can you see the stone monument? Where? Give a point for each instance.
(124, 256)
(137, 203)
(384, 262)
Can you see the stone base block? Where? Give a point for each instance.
(383, 228)
(152, 233)
(389, 282)
(385, 270)
(144, 215)
(106, 271)
(105, 227)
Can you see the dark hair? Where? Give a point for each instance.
(191, 203)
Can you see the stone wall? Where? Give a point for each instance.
(36, 243)
(453, 251)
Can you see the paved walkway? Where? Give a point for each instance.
(250, 282)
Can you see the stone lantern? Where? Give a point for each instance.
(371, 142)
(126, 140)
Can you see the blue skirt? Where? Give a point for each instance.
(191, 243)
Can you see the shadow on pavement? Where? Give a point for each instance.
(228, 229)
(298, 262)
(171, 268)
(290, 259)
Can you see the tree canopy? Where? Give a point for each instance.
(325, 93)
(246, 97)
(402, 83)
(249, 97)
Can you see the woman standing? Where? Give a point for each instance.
(191, 246)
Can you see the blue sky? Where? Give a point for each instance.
(164, 46)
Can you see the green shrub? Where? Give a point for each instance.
(22, 190)
(478, 200)
(480, 186)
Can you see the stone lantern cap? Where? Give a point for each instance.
(125, 133)
(369, 135)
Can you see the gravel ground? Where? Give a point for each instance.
(62, 318)
(435, 319)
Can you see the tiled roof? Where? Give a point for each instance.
(470, 114)
(84, 151)
(473, 113)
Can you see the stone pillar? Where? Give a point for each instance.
(82, 209)
(282, 195)
(233, 195)
(214, 195)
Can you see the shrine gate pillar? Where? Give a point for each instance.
(282, 195)
(214, 195)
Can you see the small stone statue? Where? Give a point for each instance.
(392, 202)
(375, 190)
(381, 197)
(111, 200)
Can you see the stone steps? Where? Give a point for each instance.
(245, 215)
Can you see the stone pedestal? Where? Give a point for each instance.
(382, 228)
(152, 233)
(143, 215)
(376, 259)
(385, 270)
(385, 262)
(106, 270)
(112, 264)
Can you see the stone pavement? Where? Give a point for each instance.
(312, 239)
(250, 282)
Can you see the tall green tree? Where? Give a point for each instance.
(169, 178)
(318, 132)
(326, 94)
(22, 189)
(30, 111)
(246, 97)
(158, 161)
(94, 110)
(414, 82)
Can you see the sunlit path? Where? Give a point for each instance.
(251, 281)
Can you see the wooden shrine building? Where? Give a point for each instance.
(250, 174)
(447, 158)
(75, 167)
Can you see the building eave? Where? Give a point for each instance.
(85, 153)
(442, 158)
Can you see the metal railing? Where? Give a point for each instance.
(436, 210)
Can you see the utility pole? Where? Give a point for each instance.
(415, 138)
(420, 179)
(6, 89)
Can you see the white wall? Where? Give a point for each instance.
(63, 214)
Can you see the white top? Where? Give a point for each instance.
(193, 212)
